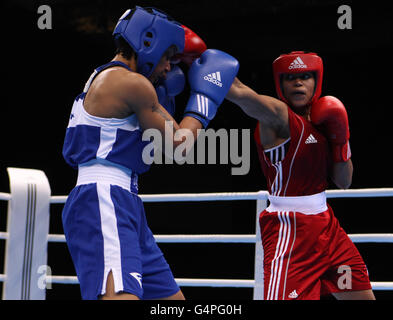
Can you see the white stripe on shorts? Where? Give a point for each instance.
(277, 262)
(112, 258)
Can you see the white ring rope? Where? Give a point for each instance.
(188, 282)
(182, 197)
(227, 196)
(260, 195)
(360, 193)
(222, 238)
(230, 238)
(5, 196)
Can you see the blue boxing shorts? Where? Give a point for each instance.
(106, 230)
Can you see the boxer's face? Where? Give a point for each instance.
(163, 66)
(298, 88)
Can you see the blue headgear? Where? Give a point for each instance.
(150, 33)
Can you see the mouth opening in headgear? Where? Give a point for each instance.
(314, 74)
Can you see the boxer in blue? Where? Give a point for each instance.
(112, 248)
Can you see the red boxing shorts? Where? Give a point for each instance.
(306, 252)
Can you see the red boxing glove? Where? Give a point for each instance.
(194, 46)
(329, 114)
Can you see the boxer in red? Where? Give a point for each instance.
(302, 141)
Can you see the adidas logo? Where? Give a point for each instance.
(297, 64)
(293, 295)
(214, 77)
(311, 139)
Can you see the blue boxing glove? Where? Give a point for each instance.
(210, 78)
(171, 87)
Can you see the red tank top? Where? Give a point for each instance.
(304, 168)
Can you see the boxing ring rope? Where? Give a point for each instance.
(29, 235)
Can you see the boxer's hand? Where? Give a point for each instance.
(329, 114)
(210, 78)
(194, 46)
(171, 87)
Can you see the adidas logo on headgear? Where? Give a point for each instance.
(297, 64)
(214, 77)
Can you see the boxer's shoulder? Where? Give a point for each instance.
(116, 92)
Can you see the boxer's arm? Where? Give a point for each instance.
(205, 98)
(142, 99)
(271, 112)
(342, 173)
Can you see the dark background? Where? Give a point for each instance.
(43, 71)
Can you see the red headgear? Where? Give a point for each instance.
(298, 62)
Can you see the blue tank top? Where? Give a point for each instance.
(88, 137)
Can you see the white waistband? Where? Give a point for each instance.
(312, 204)
(94, 172)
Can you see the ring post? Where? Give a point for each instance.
(25, 262)
(258, 274)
